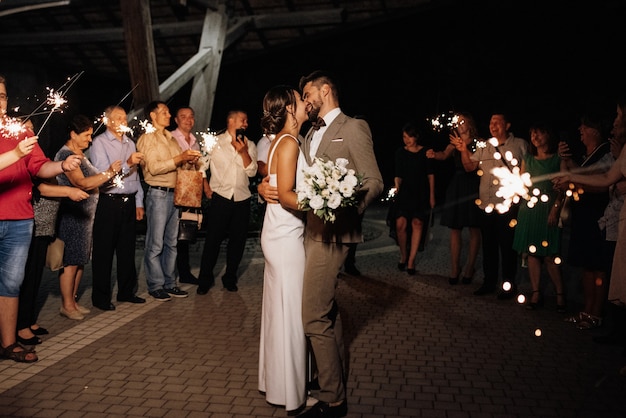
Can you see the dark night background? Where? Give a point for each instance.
(553, 60)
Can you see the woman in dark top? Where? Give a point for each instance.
(460, 209)
(415, 195)
(586, 243)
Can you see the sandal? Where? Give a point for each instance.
(589, 322)
(21, 356)
(575, 318)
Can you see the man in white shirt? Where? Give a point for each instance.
(233, 161)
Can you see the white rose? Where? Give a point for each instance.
(316, 202)
(334, 201)
(341, 162)
(351, 180)
(346, 189)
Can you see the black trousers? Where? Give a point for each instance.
(28, 310)
(227, 219)
(182, 259)
(114, 234)
(497, 243)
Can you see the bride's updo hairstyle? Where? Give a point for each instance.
(275, 105)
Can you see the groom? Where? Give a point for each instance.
(333, 135)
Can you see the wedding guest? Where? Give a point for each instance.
(537, 232)
(16, 220)
(496, 226)
(613, 223)
(76, 218)
(47, 196)
(282, 352)
(415, 195)
(185, 121)
(232, 163)
(586, 243)
(120, 206)
(460, 210)
(162, 156)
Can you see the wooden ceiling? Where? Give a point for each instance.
(88, 35)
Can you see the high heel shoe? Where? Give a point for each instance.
(467, 280)
(531, 306)
(401, 266)
(29, 341)
(563, 307)
(411, 271)
(453, 280)
(39, 331)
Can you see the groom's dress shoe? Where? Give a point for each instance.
(324, 410)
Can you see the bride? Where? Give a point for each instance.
(282, 354)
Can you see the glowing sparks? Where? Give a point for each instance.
(448, 120)
(55, 99)
(118, 180)
(11, 127)
(124, 129)
(147, 126)
(513, 186)
(208, 141)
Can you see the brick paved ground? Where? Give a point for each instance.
(417, 347)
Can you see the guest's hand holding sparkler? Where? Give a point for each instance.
(26, 146)
(115, 167)
(563, 182)
(188, 156)
(135, 158)
(71, 163)
(23, 148)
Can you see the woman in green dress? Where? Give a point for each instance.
(537, 232)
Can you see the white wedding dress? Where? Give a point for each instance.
(282, 353)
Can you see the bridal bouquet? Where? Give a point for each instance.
(327, 187)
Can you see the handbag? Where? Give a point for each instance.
(188, 190)
(189, 223)
(54, 254)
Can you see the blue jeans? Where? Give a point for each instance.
(15, 239)
(161, 238)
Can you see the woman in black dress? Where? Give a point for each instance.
(460, 209)
(415, 195)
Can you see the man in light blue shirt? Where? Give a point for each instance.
(120, 205)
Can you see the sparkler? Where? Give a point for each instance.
(207, 142)
(448, 120)
(56, 99)
(147, 126)
(103, 118)
(11, 127)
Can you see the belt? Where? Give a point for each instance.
(119, 195)
(165, 189)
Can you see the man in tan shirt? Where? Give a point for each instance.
(162, 157)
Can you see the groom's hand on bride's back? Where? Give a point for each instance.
(267, 192)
